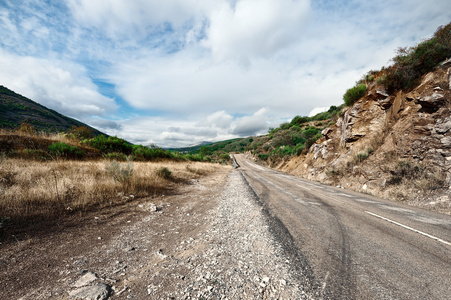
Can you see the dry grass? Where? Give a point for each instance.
(31, 189)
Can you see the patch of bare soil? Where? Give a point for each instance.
(201, 242)
(110, 243)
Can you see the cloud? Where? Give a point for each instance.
(59, 85)
(317, 110)
(168, 132)
(183, 83)
(219, 119)
(258, 123)
(252, 28)
(138, 18)
(104, 124)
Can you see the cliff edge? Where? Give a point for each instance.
(396, 146)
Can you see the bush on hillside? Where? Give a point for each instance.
(353, 94)
(80, 132)
(66, 151)
(111, 144)
(143, 153)
(299, 120)
(412, 63)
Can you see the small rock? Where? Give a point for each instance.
(97, 292)
(86, 279)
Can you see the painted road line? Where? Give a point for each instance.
(303, 187)
(410, 228)
(346, 195)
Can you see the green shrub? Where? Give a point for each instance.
(224, 157)
(61, 149)
(111, 144)
(299, 120)
(285, 126)
(359, 157)
(143, 153)
(412, 63)
(263, 156)
(164, 173)
(121, 173)
(311, 132)
(353, 94)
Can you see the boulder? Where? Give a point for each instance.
(435, 100)
(378, 94)
(96, 292)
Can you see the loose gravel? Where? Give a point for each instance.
(240, 258)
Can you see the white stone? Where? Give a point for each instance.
(86, 279)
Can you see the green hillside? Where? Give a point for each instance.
(16, 109)
(289, 139)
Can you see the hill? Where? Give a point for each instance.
(190, 148)
(16, 109)
(393, 139)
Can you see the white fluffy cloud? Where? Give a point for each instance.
(317, 110)
(59, 85)
(119, 18)
(258, 123)
(253, 28)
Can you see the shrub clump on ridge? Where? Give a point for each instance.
(353, 94)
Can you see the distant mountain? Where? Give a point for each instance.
(16, 109)
(191, 148)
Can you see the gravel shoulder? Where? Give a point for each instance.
(209, 240)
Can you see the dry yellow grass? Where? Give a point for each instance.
(31, 188)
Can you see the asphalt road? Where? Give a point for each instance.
(352, 245)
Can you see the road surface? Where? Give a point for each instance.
(355, 246)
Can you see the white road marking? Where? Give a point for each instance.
(410, 228)
(301, 186)
(346, 195)
(365, 201)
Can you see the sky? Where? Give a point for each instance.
(178, 72)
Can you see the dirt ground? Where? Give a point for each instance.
(109, 243)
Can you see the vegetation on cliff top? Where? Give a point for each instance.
(409, 65)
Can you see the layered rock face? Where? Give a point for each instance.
(394, 146)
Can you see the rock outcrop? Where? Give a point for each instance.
(380, 135)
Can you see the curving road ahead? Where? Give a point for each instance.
(354, 246)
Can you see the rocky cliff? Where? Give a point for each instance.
(397, 146)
